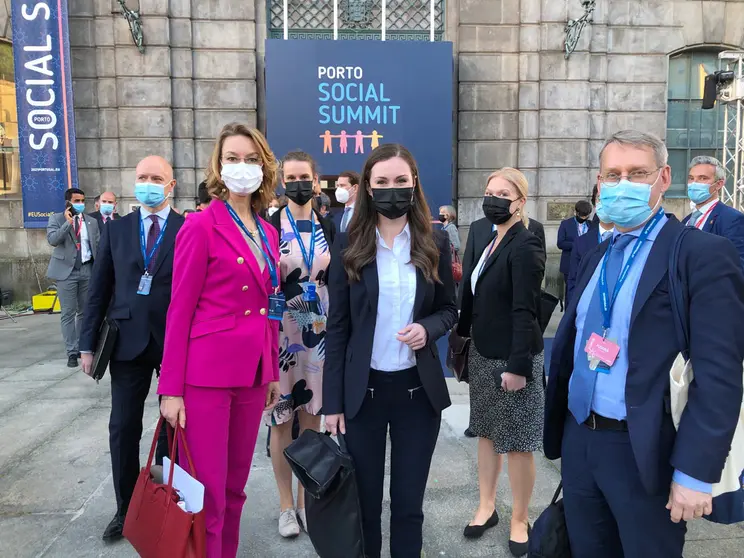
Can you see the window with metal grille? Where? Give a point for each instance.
(406, 20)
(691, 131)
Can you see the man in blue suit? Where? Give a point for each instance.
(347, 186)
(599, 231)
(630, 481)
(705, 179)
(569, 230)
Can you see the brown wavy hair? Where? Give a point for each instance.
(362, 248)
(260, 198)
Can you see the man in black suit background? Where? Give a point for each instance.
(105, 209)
(131, 285)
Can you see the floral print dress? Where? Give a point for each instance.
(302, 331)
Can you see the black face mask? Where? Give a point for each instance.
(497, 210)
(299, 191)
(442, 218)
(392, 202)
(582, 220)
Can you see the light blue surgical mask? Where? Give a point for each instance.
(79, 207)
(698, 192)
(601, 213)
(107, 208)
(151, 195)
(626, 204)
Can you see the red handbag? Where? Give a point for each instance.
(456, 265)
(155, 525)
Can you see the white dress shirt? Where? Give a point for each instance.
(705, 212)
(162, 216)
(479, 267)
(397, 279)
(86, 253)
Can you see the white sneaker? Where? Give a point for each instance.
(302, 519)
(288, 527)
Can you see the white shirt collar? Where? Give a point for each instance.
(404, 235)
(163, 213)
(704, 209)
(604, 230)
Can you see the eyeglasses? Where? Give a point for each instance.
(248, 161)
(613, 178)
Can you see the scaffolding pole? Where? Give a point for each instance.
(733, 142)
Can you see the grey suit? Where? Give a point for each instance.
(70, 273)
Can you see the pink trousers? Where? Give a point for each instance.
(221, 430)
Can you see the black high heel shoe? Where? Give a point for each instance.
(476, 531)
(520, 548)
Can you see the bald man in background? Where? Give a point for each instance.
(131, 285)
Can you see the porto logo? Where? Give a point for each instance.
(348, 102)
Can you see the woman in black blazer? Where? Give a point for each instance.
(391, 297)
(500, 310)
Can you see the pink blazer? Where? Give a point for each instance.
(218, 332)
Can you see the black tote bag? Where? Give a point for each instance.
(326, 471)
(549, 538)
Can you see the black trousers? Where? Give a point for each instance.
(397, 400)
(130, 385)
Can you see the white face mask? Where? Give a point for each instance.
(242, 179)
(342, 195)
(272, 210)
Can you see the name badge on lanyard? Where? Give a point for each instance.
(145, 282)
(277, 302)
(601, 351)
(309, 288)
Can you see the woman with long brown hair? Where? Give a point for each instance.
(391, 297)
(221, 361)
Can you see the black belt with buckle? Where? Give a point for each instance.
(598, 422)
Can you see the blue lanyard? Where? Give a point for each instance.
(604, 297)
(143, 244)
(268, 256)
(308, 258)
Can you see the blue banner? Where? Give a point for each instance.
(338, 100)
(46, 122)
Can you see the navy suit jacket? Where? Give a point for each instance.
(113, 288)
(582, 245)
(567, 233)
(727, 222)
(716, 288)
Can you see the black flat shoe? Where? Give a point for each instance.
(72, 361)
(114, 530)
(476, 531)
(469, 433)
(520, 548)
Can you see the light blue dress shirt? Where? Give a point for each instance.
(609, 390)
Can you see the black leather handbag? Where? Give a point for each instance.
(549, 537)
(326, 471)
(107, 336)
(457, 355)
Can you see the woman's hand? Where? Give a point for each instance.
(273, 394)
(335, 423)
(512, 382)
(173, 410)
(414, 335)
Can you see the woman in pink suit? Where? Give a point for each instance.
(221, 362)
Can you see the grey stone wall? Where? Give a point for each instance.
(519, 102)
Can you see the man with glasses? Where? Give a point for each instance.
(705, 180)
(630, 480)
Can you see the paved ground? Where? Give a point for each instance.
(56, 495)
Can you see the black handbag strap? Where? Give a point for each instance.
(557, 493)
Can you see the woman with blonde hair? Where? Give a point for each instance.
(500, 311)
(221, 360)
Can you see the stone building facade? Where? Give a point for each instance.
(520, 102)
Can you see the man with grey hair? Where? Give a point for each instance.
(705, 179)
(630, 479)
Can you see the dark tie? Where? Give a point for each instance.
(582, 383)
(152, 237)
(345, 219)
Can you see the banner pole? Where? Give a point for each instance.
(286, 22)
(383, 16)
(335, 20)
(431, 20)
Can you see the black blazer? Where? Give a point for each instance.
(113, 287)
(504, 312)
(481, 233)
(351, 329)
